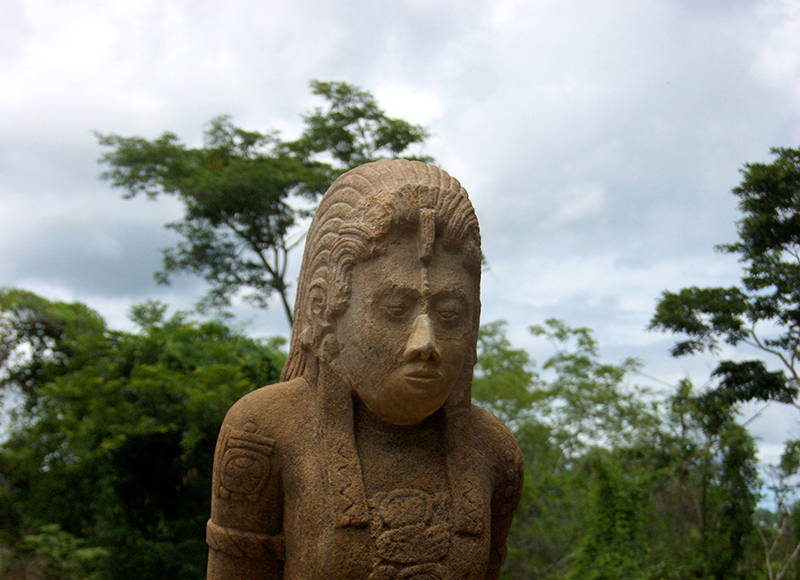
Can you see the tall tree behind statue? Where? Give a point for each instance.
(763, 312)
(239, 189)
(106, 458)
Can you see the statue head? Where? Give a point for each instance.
(388, 295)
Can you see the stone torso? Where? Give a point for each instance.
(410, 531)
(278, 505)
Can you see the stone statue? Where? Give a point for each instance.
(369, 460)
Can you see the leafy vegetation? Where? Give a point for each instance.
(762, 312)
(105, 471)
(106, 459)
(106, 468)
(240, 189)
(619, 482)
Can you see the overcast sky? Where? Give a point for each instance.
(599, 141)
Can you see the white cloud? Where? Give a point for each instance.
(599, 141)
(778, 57)
(409, 103)
(572, 204)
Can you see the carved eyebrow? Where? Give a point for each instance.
(450, 293)
(387, 290)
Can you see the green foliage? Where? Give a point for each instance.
(619, 482)
(558, 418)
(235, 193)
(589, 401)
(40, 340)
(105, 470)
(764, 310)
(790, 458)
(706, 491)
(240, 189)
(113, 439)
(53, 553)
(353, 129)
(615, 543)
(503, 374)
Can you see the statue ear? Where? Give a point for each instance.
(317, 333)
(317, 299)
(329, 349)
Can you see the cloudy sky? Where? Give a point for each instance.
(599, 140)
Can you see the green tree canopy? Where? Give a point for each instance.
(619, 482)
(105, 469)
(110, 447)
(240, 189)
(763, 311)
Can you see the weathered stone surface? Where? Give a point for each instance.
(369, 460)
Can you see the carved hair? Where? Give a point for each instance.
(353, 220)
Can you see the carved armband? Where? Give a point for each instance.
(242, 544)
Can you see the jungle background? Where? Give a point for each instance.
(637, 178)
(106, 467)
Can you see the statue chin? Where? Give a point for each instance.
(404, 401)
(402, 417)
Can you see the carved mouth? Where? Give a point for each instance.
(422, 378)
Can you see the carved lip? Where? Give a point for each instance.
(422, 377)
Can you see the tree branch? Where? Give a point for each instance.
(767, 551)
(278, 282)
(788, 562)
(772, 351)
(756, 415)
(293, 245)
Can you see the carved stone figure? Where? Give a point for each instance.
(369, 460)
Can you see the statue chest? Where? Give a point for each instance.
(410, 536)
(411, 533)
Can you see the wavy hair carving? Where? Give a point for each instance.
(355, 216)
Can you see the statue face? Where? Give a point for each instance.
(407, 331)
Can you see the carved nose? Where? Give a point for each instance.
(422, 342)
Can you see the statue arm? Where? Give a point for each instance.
(505, 500)
(244, 534)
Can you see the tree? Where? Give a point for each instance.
(619, 482)
(763, 311)
(504, 380)
(704, 489)
(353, 129)
(615, 543)
(106, 467)
(240, 190)
(559, 417)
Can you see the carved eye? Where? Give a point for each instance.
(448, 314)
(243, 462)
(395, 309)
(449, 310)
(396, 305)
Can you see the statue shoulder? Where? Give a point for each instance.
(270, 410)
(502, 449)
(257, 436)
(504, 456)
(491, 429)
